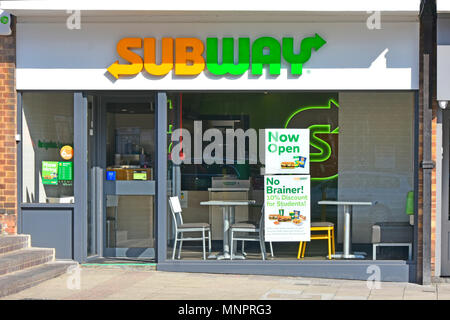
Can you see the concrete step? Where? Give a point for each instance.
(9, 243)
(20, 280)
(25, 258)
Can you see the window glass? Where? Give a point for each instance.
(361, 149)
(130, 163)
(376, 160)
(47, 146)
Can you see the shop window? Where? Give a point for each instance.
(47, 148)
(361, 149)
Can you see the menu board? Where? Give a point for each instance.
(287, 151)
(287, 208)
(65, 173)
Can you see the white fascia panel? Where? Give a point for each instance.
(203, 5)
(443, 6)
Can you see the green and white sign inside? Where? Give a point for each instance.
(287, 195)
(287, 151)
(65, 171)
(55, 172)
(50, 172)
(287, 208)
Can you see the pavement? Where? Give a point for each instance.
(100, 283)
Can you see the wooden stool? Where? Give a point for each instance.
(319, 226)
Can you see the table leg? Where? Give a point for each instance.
(226, 229)
(347, 243)
(228, 219)
(232, 220)
(232, 216)
(347, 230)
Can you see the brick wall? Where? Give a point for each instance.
(8, 155)
(433, 185)
(433, 191)
(434, 158)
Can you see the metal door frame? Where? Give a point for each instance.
(100, 124)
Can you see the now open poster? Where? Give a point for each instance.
(287, 151)
(287, 208)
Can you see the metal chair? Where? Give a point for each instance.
(243, 245)
(181, 228)
(246, 227)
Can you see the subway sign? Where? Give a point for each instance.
(185, 56)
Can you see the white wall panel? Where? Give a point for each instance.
(376, 162)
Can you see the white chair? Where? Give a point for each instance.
(181, 228)
(247, 227)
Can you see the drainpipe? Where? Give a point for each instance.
(428, 43)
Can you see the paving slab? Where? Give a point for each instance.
(356, 292)
(420, 297)
(344, 297)
(122, 284)
(385, 298)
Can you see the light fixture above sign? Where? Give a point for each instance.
(443, 104)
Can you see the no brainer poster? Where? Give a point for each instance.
(287, 208)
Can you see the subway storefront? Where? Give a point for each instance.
(147, 139)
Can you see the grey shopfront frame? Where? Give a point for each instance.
(70, 240)
(101, 188)
(60, 226)
(349, 269)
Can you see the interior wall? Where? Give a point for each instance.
(376, 154)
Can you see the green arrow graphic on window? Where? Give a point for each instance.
(324, 149)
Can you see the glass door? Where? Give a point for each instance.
(128, 180)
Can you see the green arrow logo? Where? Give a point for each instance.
(4, 19)
(324, 149)
(306, 47)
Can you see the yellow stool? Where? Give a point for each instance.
(319, 226)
